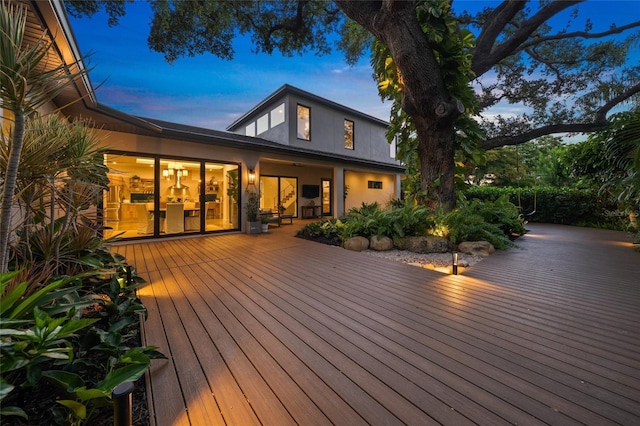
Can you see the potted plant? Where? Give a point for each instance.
(253, 213)
(264, 220)
(281, 208)
(232, 193)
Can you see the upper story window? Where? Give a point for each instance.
(348, 134)
(304, 123)
(250, 130)
(263, 124)
(393, 147)
(277, 115)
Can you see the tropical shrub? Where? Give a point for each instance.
(475, 220)
(568, 206)
(408, 219)
(328, 231)
(52, 334)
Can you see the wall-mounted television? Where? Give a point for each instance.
(310, 191)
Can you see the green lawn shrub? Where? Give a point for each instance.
(567, 206)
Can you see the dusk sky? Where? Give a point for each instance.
(210, 92)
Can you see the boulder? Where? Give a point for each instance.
(356, 244)
(476, 248)
(380, 244)
(426, 244)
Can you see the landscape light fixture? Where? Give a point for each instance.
(454, 259)
(252, 177)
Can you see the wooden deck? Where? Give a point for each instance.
(274, 330)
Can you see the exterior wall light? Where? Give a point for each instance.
(454, 260)
(252, 177)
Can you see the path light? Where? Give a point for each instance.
(454, 260)
(252, 177)
(123, 404)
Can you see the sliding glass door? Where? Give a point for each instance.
(150, 196)
(279, 191)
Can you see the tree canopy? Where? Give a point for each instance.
(443, 70)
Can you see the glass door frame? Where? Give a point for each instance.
(330, 189)
(157, 161)
(280, 189)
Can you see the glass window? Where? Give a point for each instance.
(263, 124)
(348, 134)
(393, 147)
(251, 129)
(186, 203)
(221, 197)
(129, 208)
(304, 126)
(277, 115)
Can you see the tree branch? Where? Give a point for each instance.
(541, 131)
(580, 34)
(488, 54)
(360, 12)
(495, 24)
(599, 122)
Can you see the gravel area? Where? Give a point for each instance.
(436, 261)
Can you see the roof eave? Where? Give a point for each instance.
(287, 89)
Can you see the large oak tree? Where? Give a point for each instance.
(569, 79)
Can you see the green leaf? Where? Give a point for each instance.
(78, 409)
(35, 299)
(129, 373)
(6, 278)
(13, 411)
(9, 299)
(75, 325)
(66, 380)
(5, 388)
(135, 356)
(91, 261)
(85, 394)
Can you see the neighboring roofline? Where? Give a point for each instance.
(287, 89)
(127, 118)
(54, 18)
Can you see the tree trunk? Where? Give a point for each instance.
(424, 95)
(436, 152)
(8, 193)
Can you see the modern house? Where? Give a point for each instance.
(312, 156)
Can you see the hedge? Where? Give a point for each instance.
(566, 206)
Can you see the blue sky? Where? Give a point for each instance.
(210, 92)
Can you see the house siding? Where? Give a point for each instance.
(327, 127)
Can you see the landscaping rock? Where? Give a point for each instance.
(356, 244)
(380, 244)
(427, 244)
(476, 248)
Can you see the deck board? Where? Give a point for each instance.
(270, 329)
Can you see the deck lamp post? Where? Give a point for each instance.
(454, 260)
(123, 404)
